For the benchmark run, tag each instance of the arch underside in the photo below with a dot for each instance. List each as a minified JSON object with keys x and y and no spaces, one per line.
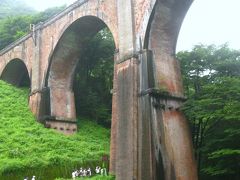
{"x":171,"y":149}
{"x":161,"y":38}
{"x":62,"y":68}
{"x":16,"y":73}
{"x":68,"y":50}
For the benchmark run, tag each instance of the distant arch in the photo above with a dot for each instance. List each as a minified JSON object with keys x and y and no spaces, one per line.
{"x":16,"y":73}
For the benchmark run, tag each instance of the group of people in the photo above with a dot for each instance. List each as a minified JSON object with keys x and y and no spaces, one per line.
{"x":81,"y":173}
{"x":88,"y":172}
{"x":33,"y":178}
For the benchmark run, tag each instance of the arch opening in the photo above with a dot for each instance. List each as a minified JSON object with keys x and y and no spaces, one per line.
{"x":76,"y":74}
{"x":16,"y":73}
{"x":92,"y":84}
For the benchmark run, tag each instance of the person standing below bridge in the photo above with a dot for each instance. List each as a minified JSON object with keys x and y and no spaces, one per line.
{"x":74,"y":174}
{"x":89,"y":173}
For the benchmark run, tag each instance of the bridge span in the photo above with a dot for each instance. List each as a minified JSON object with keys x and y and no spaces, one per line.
{"x":150,"y":139}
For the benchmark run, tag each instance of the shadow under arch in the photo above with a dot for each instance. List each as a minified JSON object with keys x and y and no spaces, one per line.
{"x":170,"y":156}
{"x":16,"y":73}
{"x":82,"y":28}
{"x":60,"y":101}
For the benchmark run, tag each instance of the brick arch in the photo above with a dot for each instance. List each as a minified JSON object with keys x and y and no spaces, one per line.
{"x":97,"y":24}
{"x":104,"y":15}
{"x":63,"y":62}
{"x":53,"y":29}
{"x":144,"y":21}
{"x":107,"y":21}
{"x":16,"y":73}
{"x":168,"y":125}
{"x":161,"y":38}
{"x":15,"y":54}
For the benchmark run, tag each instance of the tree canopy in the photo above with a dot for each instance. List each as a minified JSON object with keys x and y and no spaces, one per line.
{"x":12,"y":26}
{"x":211,"y":77}
{"x":94,"y":78}
{"x":13,"y":8}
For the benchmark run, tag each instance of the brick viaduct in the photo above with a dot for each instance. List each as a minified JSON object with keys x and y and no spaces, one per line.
{"x":149,"y":135}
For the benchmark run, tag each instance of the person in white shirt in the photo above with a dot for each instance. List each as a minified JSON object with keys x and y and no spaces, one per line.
{"x":89,"y":173}
{"x":74,"y":174}
{"x":97,"y":170}
{"x":84,"y":172}
{"x":81,"y":172}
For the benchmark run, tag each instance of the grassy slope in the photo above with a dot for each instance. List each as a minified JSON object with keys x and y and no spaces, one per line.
{"x":24,"y":143}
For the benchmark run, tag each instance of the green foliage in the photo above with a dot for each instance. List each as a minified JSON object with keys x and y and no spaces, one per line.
{"x":46,"y":14}
{"x":103,"y":178}
{"x":13,"y":8}
{"x":26,"y":144}
{"x":212,"y":82}
{"x":12,"y":28}
{"x":93,"y":78}
{"x":93,"y":178}
{"x":17,"y":25}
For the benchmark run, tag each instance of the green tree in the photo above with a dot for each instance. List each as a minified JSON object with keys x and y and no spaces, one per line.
{"x":46,"y":14}
{"x":212,"y":80}
{"x":14,"y":8}
{"x":14,"y":27}
{"x":93,"y":78}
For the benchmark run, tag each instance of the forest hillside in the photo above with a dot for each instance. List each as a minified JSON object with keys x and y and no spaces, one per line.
{"x":13,"y":8}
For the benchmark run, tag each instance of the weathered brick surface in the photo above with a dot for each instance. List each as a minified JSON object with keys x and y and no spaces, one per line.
{"x":51,"y":52}
{"x":23,"y":51}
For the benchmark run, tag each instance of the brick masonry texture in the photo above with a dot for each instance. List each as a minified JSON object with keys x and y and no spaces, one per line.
{"x":148,"y":130}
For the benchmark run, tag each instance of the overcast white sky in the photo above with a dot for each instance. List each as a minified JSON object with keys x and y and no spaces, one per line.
{"x":211,"y":22}
{"x":44,"y":4}
{"x":207,"y":22}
